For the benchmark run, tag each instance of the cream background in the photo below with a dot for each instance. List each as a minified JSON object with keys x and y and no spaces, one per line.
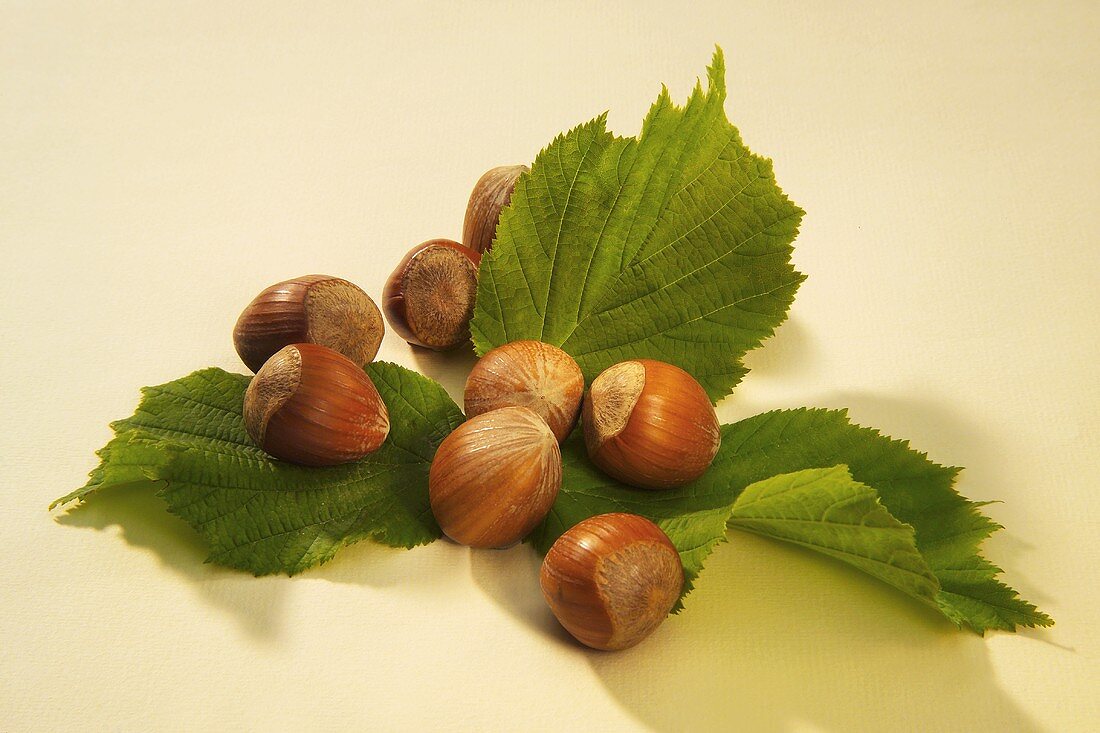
{"x":160,"y":163}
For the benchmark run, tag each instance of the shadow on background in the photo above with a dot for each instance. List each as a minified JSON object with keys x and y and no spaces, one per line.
{"x":785,"y":638}
{"x":951,"y":437}
{"x":432,"y":570}
{"x":787,"y":354}
{"x":255,"y":603}
{"x":776,"y":637}
{"x":511,"y":578}
{"x":375,"y":565}
{"x":449,"y":368}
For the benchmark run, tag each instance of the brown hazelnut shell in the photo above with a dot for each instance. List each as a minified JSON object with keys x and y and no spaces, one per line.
{"x":318,"y":309}
{"x":612,"y":579}
{"x":650,"y":424}
{"x":429,"y":298}
{"x":491,"y":194}
{"x":495,"y":477}
{"x":312,"y":406}
{"x":530,"y":374}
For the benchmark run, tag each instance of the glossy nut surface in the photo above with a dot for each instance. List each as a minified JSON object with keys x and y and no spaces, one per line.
{"x":530,"y":374}
{"x":491,"y":194}
{"x":650,"y":424}
{"x":429,"y":298}
{"x":318,"y":309}
{"x":312,"y":406}
{"x":495,"y":478}
{"x":612,"y":579}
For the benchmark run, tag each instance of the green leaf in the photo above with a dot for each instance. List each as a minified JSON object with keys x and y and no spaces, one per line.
{"x":263,"y":515}
{"x":825,"y":509}
{"x":949,"y":528}
{"x":693,"y":516}
{"x":915,"y":491}
{"x":674,"y":245}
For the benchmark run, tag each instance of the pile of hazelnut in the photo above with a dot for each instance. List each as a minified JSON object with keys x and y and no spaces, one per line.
{"x":611,"y":579}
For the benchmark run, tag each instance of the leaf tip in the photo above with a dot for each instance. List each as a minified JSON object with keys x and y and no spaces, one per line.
{"x":716,"y":72}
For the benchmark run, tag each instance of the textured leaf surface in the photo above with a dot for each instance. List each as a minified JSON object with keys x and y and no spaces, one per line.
{"x":949,"y":528}
{"x":914,"y":490}
{"x":826,"y":510}
{"x":693,"y":516}
{"x":674,"y":245}
{"x":263,"y":515}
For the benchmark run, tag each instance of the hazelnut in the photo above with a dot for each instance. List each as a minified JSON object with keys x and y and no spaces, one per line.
{"x":612,"y":579}
{"x":491,"y":194}
{"x":495,"y":478}
{"x":650,"y":424}
{"x":310,"y":405}
{"x":530,"y":374}
{"x":429,"y":298}
{"x":315,"y":309}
